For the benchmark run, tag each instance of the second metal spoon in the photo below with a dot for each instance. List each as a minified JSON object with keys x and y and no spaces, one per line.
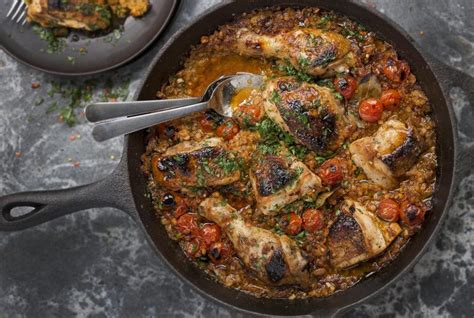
{"x":100,"y":111}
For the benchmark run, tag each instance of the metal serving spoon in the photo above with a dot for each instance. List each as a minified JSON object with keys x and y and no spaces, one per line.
{"x":101,"y":111}
{"x":220,"y":95}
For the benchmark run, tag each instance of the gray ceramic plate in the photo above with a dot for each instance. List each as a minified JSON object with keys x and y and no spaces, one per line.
{"x":81,"y":54}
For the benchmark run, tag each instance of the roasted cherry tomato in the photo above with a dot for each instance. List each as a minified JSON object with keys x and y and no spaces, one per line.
{"x":411,"y":214}
{"x":181,"y":209}
{"x":194,"y":247}
{"x":388,"y":210}
{"x":228,"y":130}
{"x":370,"y":110}
{"x":218,"y":252}
{"x":211,"y":233}
{"x":291,"y":223}
{"x":390,"y":99}
{"x":210,"y":121}
{"x":331,"y":172}
{"x":395,"y":70}
{"x":187,"y":223}
{"x":207,"y":125}
{"x":251,"y":113}
{"x":346,"y":86}
{"x":313,"y":220}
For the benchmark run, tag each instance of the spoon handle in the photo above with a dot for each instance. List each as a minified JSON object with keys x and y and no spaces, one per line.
{"x":102,"y":111}
{"x":121,"y":126}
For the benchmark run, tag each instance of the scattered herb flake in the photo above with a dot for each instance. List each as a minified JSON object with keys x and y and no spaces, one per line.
{"x":71,"y":59}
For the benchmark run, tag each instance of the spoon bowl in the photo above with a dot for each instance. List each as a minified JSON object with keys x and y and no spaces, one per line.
{"x":221,"y":93}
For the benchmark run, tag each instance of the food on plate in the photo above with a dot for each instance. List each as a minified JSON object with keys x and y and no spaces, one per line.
{"x":89,"y":15}
{"x":322,"y":175}
{"x":136,"y":8}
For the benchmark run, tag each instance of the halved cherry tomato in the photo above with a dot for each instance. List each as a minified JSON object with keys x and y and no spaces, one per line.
{"x":411,"y":214}
{"x":291,"y":223}
{"x":194,"y":247}
{"x":313,"y":220}
{"x":211,"y":233}
{"x":228,"y":130}
{"x":390,"y":99}
{"x":346,"y":86}
{"x":187,"y":223}
{"x":331,"y":172}
{"x":395,"y":70}
{"x":218,"y":252}
{"x":370,"y":110}
{"x":251,"y":113}
{"x":388,"y":210}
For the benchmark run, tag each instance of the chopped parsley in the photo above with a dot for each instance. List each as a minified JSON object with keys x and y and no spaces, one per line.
{"x":69,"y":97}
{"x":320,"y":159}
{"x":289,"y":70}
{"x":357,"y":172}
{"x":323,"y":21}
{"x":227,"y":164}
{"x":277,"y":229}
{"x":303,"y":62}
{"x":339,"y":96}
{"x":71,"y":59}
{"x":54,"y":44}
{"x":272,"y":136}
{"x":275,"y":98}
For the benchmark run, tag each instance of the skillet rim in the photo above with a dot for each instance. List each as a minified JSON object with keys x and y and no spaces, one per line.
{"x":452,"y":152}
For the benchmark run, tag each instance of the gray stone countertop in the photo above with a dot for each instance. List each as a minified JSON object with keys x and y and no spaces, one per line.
{"x":97,"y":263}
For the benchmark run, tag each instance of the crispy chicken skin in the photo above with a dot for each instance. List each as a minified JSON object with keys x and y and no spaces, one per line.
{"x":90,"y":15}
{"x":195,"y":164}
{"x":277,"y":183}
{"x":358,"y":235}
{"x":388,"y":154}
{"x":310,"y":113}
{"x":314,"y":51}
{"x":274,"y":259}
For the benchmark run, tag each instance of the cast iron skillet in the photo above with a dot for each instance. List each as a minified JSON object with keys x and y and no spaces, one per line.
{"x":104,"y":52}
{"x":125,"y":188}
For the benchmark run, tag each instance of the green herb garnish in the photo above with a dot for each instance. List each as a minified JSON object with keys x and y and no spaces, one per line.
{"x":289,"y":70}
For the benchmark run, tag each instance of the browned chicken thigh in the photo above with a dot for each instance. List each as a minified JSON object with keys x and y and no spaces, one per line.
{"x":357,"y":235}
{"x":195,"y":164}
{"x":313,"y":51}
{"x":89,"y":15}
{"x":388,"y":154}
{"x":274,"y":259}
{"x":277,"y":183}
{"x":310,"y":113}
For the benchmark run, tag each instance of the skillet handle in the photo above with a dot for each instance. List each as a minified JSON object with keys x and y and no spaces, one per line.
{"x":44,"y":206}
{"x":451,"y":78}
